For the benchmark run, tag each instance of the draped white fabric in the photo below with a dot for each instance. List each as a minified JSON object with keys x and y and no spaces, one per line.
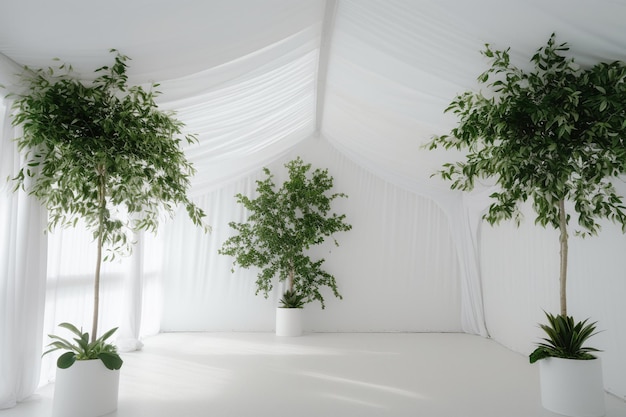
{"x":22,"y":278}
{"x":130,"y":294}
{"x":248,"y":111}
{"x":245,"y":77}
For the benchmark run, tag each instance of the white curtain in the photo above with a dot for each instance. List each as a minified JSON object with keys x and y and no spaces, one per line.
{"x":22,"y":277}
{"x":382,"y":126}
{"x":129,"y":292}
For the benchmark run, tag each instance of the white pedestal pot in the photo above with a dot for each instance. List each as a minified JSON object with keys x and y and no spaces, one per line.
{"x":572,"y":387}
{"x":288,"y":321}
{"x":85,"y":389}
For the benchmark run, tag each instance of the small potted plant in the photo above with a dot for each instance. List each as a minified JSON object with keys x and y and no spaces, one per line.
{"x":556,"y":136}
{"x":100,"y":152}
{"x":581,"y":386}
{"x":89,"y":389}
{"x":282,"y":225}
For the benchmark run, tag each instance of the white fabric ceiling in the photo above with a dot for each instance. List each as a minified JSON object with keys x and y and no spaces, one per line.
{"x":253,"y":77}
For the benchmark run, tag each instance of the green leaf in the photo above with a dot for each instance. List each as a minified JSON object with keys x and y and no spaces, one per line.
{"x":538,"y":354}
{"x":111,"y":360}
{"x":66,"y":360}
{"x":106,"y":335}
{"x":71,"y":328}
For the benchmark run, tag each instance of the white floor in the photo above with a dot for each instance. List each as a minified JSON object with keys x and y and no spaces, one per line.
{"x":322,"y":374}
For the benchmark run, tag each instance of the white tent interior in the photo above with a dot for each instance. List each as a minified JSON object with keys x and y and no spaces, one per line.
{"x":355,"y":86}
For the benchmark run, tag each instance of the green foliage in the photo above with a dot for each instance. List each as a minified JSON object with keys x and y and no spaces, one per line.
{"x":292,"y":299}
{"x":556,"y":133}
{"x":282,"y":225}
{"x":551,"y":135}
{"x":82,"y":349}
{"x":101,"y":152}
{"x":565,"y":339}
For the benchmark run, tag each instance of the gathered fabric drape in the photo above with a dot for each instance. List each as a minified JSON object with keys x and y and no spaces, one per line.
{"x":22,"y":277}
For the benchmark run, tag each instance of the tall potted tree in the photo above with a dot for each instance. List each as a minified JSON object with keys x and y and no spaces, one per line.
{"x":100,"y":152}
{"x":555,"y":135}
{"x":282,"y":225}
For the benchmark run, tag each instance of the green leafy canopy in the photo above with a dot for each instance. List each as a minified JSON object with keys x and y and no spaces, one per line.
{"x":100,"y":152}
{"x":101,"y":149}
{"x":551,"y":135}
{"x":556,"y":133}
{"x":283,"y":223}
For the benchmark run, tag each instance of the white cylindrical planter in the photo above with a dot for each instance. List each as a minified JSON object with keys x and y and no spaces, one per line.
{"x":85,"y":389}
{"x":572,"y":387}
{"x":288,"y":321}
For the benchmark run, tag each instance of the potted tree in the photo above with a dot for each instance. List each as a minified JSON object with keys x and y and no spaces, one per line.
{"x":101,"y":153}
{"x":555,"y":135}
{"x":282,"y":225}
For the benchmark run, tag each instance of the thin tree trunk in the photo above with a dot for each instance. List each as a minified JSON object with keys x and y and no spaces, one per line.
{"x":564,"y":250}
{"x":96,"y":288}
{"x":290,"y":279}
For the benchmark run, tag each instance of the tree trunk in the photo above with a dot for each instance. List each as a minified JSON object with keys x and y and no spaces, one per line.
{"x":290,"y":279}
{"x":564,"y":249}
{"x":96,"y":288}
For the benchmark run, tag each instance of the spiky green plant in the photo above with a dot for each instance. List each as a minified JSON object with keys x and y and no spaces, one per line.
{"x":83,"y":349}
{"x":292,"y":299}
{"x":565,"y":339}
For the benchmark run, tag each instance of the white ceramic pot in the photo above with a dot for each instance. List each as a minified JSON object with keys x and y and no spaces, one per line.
{"x":288,"y":321}
{"x":85,"y":389}
{"x":572,"y":387}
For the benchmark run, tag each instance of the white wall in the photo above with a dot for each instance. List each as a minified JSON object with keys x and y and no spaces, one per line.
{"x":520,"y":272}
{"x":396,"y":269}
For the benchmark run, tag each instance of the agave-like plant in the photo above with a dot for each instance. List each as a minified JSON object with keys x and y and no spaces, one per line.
{"x":565,"y":339}
{"x":84,"y":350}
{"x":292,"y":299}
